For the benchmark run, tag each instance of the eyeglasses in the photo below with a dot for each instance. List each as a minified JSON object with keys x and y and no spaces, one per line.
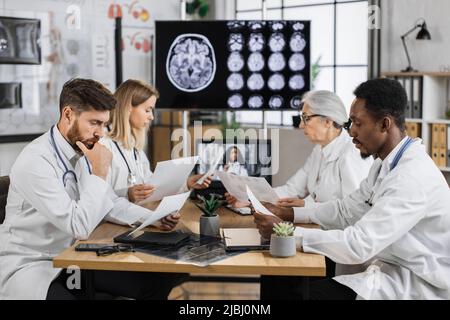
{"x":107,"y":250}
{"x":306,"y":118}
{"x":347,"y":126}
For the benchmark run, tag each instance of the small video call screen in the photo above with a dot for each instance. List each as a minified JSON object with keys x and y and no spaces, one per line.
{"x":241,"y":157}
{"x":232,"y":65}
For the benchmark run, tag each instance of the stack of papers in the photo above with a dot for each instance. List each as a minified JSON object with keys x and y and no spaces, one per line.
{"x":256,"y":204}
{"x":236,"y":186}
{"x":169,"y":177}
{"x":168,"y":205}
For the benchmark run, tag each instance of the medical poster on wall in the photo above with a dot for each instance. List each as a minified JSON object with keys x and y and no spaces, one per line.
{"x":234,"y":65}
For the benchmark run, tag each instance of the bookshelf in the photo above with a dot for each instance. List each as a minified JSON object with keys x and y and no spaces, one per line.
{"x":431,"y":123}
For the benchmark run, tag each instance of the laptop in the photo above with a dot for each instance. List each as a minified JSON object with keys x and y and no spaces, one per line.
{"x":155,"y":238}
{"x":243,"y":239}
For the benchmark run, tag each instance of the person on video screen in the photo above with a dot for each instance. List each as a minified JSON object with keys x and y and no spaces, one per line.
{"x":234,"y":162}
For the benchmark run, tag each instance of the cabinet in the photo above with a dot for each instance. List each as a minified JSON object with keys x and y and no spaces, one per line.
{"x":428,"y":91}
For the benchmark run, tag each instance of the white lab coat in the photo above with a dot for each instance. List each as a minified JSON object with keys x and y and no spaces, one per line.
{"x":235,"y":168}
{"x":329,"y":173}
{"x":403,"y":239}
{"x":118,"y":173}
{"x":44,"y":217}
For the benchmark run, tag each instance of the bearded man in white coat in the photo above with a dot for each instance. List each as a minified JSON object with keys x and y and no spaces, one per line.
{"x":49,"y":205}
{"x":396,"y":223}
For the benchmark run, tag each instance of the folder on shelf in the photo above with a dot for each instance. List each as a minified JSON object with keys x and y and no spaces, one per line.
{"x":442,"y":145}
{"x":435,"y":143}
{"x":413,"y":129}
{"x":407,"y":85}
{"x":416,"y":97}
{"x":448,"y":145}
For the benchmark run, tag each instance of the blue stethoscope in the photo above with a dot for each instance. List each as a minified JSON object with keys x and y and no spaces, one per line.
{"x":394,"y":163}
{"x":131,"y":180}
{"x":67,"y":172}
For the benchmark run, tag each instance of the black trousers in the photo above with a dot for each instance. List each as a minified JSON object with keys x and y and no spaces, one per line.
{"x":134,"y":285}
{"x":290,"y":287}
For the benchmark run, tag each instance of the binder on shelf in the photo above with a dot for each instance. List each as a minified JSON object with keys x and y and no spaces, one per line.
{"x":448,"y":145}
{"x":442,"y":145}
{"x":435,"y":143}
{"x":416,"y":88}
{"x":407,"y":85}
{"x":413,"y":129}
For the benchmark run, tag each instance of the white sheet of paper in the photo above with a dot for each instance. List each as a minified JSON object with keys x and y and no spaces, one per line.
{"x":256,"y":204}
{"x":169,"y":177}
{"x":168,"y":205}
{"x":235,"y":186}
{"x":212,"y":167}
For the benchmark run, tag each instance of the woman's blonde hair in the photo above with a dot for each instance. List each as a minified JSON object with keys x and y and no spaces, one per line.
{"x":129,"y":94}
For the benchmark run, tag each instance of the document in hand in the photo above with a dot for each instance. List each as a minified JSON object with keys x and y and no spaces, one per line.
{"x":235,"y":186}
{"x":169,"y":177}
{"x":212,"y":166}
{"x":168,"y":205}
{"x":256,"y":204}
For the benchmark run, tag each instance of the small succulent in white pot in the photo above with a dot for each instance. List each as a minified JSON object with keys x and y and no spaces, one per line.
{"x":209,"y":221}
{"x":282,"y":240}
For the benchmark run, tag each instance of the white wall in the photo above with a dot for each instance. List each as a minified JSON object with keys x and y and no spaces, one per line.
{"x":136,"y":64}
{"x":398,"y":17}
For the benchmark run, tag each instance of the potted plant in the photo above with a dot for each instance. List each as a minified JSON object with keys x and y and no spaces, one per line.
{"x":209,"y":220}
{"x":282,"y":241}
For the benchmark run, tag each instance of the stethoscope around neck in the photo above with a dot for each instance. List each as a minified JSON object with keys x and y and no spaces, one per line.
{"x":67,"y":171}
{"x":131,"y":180}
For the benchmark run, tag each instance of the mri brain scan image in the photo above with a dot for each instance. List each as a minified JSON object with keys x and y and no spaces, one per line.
{"x":235,"y":101}
{"x":296,"y":82}
{"x":295,"y":102}
{"x":235,"y":25}
{"x":191,"y":62}
{"x":235,"y":42}
{"x":276,"y":62}
{"x":256,"y":25}
{"x":277,"y":42}
{"x":256,"y":42}
{"x":298,"y":26}
{"x":235,"y":82}
{"x":276,"y":82}
{"x":255,"y":62}
{"x":277,"y":25}
{"x":297,"y":42}
{"x":297,"y":62}
{"x":255,"y":101}
{"x":255,"y":82}
{"x":276,"y":102}
{"x":235,"y":62}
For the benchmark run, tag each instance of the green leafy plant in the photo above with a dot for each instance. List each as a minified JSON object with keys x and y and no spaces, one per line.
{"x":210,"y":205}
{"x":283,"y":229}
{"x":226,"y":123}
{"x":447,"y":114}
{"x":201,"y":7}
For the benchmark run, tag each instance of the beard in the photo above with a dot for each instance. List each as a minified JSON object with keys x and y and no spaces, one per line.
{"x":364,"y":155}
{"x":74,"y":135}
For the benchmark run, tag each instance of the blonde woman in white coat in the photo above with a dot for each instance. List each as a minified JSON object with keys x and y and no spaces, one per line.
{"x":129,"y":123}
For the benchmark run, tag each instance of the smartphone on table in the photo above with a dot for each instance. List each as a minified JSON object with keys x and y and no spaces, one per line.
{"x":92,"y":246}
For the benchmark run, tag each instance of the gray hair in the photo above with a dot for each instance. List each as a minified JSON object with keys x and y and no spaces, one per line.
{"x":327,"y":104}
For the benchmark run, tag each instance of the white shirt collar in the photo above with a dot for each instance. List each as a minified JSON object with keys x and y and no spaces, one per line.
{"x":386,"y":164}
{"x":67,"y":151}
{"x":332,"y":150}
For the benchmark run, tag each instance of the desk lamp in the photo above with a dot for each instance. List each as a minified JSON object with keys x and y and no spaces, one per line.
{"x":423,"y":34}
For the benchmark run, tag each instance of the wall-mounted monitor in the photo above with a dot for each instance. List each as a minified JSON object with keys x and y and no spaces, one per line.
{"x":20,"y":41}
{"x":232,"y":65}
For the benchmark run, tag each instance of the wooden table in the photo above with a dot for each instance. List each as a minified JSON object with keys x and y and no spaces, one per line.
{"x":248,"y":263}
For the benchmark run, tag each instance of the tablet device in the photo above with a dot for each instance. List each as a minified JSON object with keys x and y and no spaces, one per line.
{"x":156,"y":238}
{"x":243,"y":239}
